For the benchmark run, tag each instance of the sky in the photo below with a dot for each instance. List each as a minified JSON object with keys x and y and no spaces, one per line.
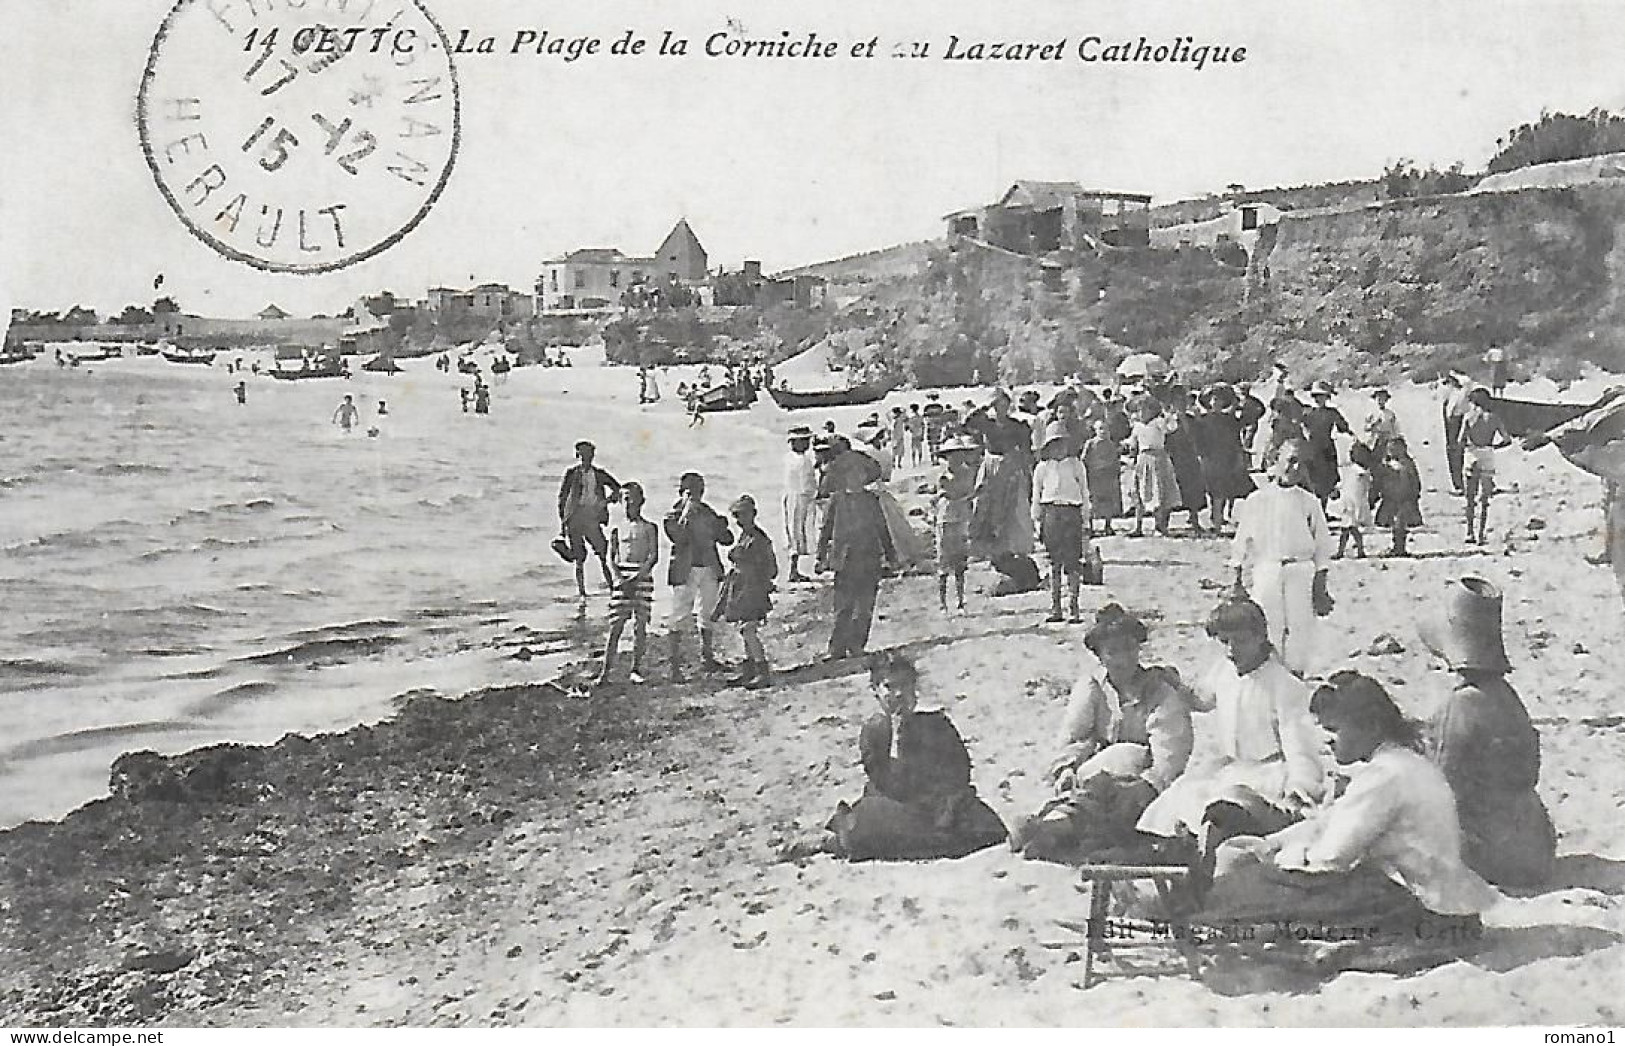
{"x":788,"y":161}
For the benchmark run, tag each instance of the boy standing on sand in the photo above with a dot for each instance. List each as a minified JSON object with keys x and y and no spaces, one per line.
{"x":695,"y":572}
{"x":956,"y":493}
{"x":632,"y":594}
{"x":916,"y":435}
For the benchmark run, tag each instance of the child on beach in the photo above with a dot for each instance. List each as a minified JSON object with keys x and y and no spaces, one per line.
{"x":1061,"y":515}
{"x":746,"y":596}
{"x":1102,"y":463}
{"x":633,"y":549}
{"x":1400,"y":507}
{"x":956,"y":490}
{"x":1353,"y":504}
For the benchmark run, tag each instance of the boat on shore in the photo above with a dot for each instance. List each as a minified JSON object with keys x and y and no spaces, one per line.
{"x":333,"y":366}
{"x":15,"y":356}
{"x":1530,"y":417}
{"x":855,"y":395}
{"x":738,"y":396}
{"x":93,"y":351}
{"x":205,"y":357}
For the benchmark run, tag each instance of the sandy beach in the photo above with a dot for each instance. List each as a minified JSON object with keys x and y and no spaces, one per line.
{"x":510,"y":855}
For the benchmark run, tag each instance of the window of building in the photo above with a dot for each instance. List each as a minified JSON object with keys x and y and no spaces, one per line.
{"x":614,"y":277}
{"x":1249,"y":218}
{"x":555,"y":281}
{"x":581,"y":278}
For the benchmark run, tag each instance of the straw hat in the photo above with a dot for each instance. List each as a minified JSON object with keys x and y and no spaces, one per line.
{"x":1468,"y":633}
{"x":1321,"y":390}
{"x":1382,"y":395}
{"x":1056,"y":431}
{"x":958,"y":445}
{"x":799,"y":432}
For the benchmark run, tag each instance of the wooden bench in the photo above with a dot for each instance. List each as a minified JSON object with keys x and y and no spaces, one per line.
{"x":1097,"y":880}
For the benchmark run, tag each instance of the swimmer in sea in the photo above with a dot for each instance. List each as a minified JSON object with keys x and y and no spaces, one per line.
{"x":242,"y":392}
{"x":346,"y":414}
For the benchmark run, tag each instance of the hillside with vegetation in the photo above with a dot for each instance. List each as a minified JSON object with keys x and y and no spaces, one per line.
{"x":1403,"y":275}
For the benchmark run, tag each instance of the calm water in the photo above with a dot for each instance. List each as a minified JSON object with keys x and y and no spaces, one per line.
{"x":176,"y":569}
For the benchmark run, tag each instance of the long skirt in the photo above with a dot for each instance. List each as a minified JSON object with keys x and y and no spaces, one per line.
{"x":1001,"y":517}
{"x":1155,"y":486}
{"x":1105,"y":491}
{"x":879,"y":828}
{"x":1255,"y":787}
{"x":1358,"y":919}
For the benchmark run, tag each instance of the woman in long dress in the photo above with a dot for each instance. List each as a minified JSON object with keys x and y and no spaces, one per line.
{"x":1384,"y":858}
{"x":1102,"y":467}
{"x":1156,"y":489}
{"x":918,"y":802}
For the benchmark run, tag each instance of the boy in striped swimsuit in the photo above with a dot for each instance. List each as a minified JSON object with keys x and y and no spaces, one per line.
{"x":633,"y":549}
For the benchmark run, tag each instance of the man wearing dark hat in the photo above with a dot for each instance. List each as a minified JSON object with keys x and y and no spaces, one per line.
{"x":800,"y":500}
{"x":1482,"y":739}
{"x":855,"y":543}
{"x":584,"y":496}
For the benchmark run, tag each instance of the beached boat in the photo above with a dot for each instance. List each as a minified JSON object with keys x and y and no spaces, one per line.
{"x":93,"y":351}
{"x":1528,"y":417}
{"x":856,"y":395}
{"x":15,"y":356}
{"x":727,"y":397}
{"x":197,"y":356}
{"x":383,"y":363}
{"x":144,"y":348}
{"x":326,"y":367}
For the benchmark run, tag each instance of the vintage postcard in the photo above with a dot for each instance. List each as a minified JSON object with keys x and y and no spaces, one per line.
{"x":533,"y":513}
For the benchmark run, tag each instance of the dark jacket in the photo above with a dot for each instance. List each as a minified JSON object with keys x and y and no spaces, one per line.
{"x":694,"y":541}
{"x":570,"y":488}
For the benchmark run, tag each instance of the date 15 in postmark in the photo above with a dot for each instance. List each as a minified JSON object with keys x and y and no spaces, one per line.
{"x":300,"y":139}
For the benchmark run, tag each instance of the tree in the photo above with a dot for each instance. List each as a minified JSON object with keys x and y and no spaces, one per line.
{"x":79,"y":316}
{"x":165,"y":306}
{"x":133,"y":316}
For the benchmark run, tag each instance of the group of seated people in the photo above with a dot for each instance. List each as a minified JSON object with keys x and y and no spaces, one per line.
{"x":1390,"y":824}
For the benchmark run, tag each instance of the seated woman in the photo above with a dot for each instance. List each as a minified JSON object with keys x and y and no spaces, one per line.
{"x":1382,"y":862}
{"x":1267,"y":769}
{"x":918,"y":802}
{"x":1126,"y":735}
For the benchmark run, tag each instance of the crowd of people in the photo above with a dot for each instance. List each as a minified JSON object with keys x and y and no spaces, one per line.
{"x":1393,"y":823}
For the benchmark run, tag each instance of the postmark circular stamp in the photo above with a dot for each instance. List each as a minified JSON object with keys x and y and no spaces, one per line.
{"x":300,"y":135}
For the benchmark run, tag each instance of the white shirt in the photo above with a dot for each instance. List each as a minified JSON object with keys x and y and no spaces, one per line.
{"x":1060,"y":482}
{"x":800,"y":475}
{"x":1277,"y":524}
{"x":1397,"y":815}
{"x":1263,"y":716}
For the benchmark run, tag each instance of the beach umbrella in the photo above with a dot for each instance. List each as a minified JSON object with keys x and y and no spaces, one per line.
{"x":1142,"y":365}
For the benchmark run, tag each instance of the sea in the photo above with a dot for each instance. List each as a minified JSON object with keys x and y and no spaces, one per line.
{"x":178,"y":569}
